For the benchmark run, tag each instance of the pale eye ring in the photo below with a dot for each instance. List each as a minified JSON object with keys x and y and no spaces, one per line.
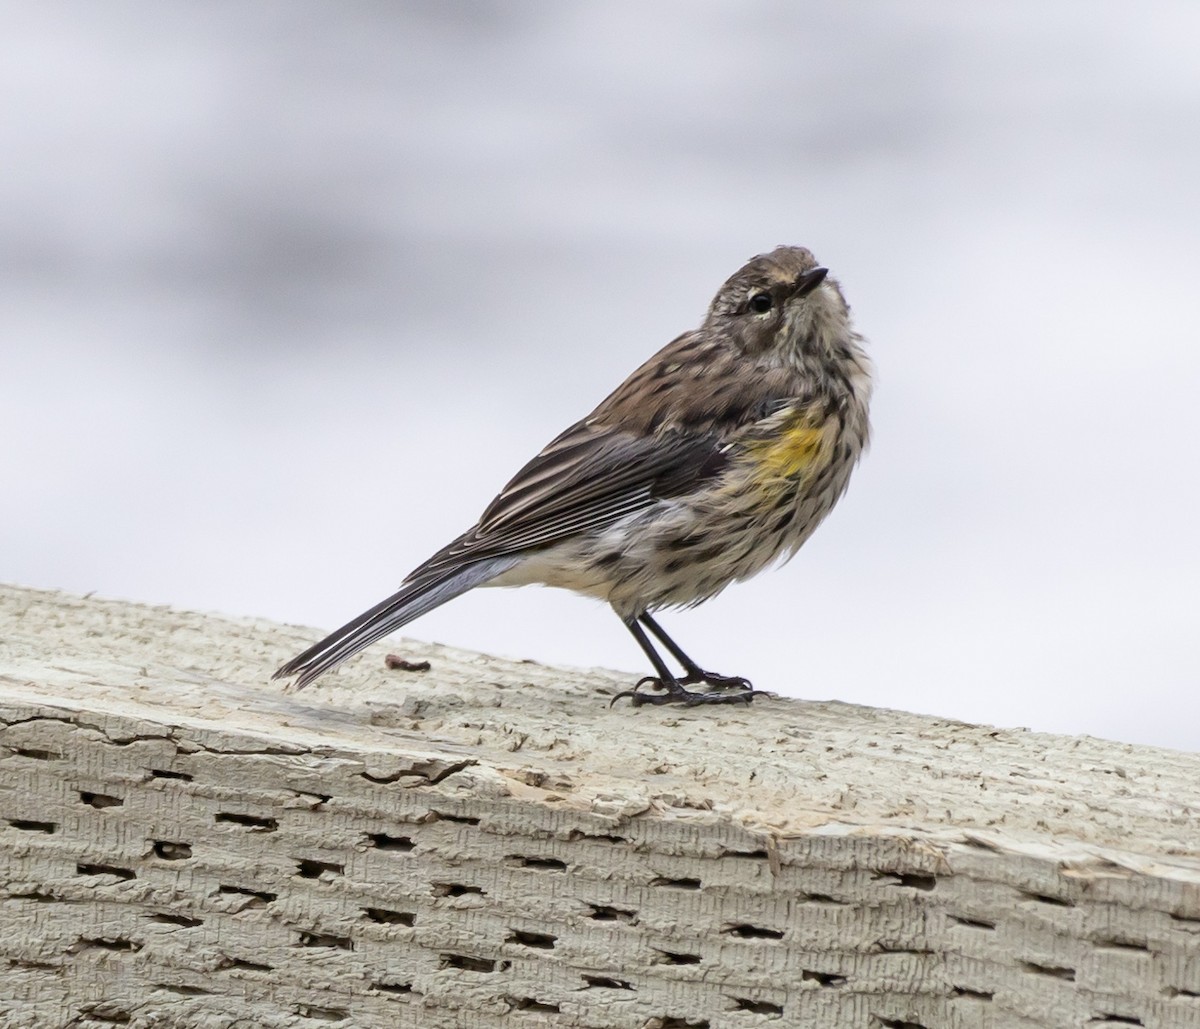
{"x":761,"y":303}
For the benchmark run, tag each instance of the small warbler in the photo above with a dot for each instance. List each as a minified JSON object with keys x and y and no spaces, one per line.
{"x":718,"y":456}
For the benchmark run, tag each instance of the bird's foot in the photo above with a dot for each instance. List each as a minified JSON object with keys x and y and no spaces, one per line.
{"x":671,"y":691}
{"x":717,"y":682}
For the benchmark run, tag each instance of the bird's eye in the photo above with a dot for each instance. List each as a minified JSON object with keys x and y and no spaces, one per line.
{"x":761,"y":302}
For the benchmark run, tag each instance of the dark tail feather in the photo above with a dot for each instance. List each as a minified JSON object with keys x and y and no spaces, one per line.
{"x":413,"y":600}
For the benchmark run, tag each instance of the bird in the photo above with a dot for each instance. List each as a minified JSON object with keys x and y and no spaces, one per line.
{"x":716,"y":458}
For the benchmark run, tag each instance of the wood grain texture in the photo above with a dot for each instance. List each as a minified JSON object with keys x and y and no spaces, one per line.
{"x":182,"y":843}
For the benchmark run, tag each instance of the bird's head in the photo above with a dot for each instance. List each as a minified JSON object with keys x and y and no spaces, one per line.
{"x":781,"y":302}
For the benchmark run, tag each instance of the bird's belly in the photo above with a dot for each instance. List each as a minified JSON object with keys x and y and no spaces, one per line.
{"x":569,"y":565}
{"x":683,"y":552}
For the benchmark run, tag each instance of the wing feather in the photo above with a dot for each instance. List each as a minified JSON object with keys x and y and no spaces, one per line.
{"x":585,"y":480}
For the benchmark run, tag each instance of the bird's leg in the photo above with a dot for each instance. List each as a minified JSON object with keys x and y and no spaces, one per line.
{"x":673,"y":692}
{"x":695,"y":674}
{"x":671,"y":687}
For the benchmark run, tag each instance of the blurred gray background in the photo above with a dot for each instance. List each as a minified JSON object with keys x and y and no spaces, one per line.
{"x":289,"y":290}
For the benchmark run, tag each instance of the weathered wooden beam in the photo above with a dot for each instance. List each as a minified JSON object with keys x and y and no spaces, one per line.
{"x":486,"y":843}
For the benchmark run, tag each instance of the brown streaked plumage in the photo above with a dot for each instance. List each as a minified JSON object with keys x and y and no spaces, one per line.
{"x":719,"y":455}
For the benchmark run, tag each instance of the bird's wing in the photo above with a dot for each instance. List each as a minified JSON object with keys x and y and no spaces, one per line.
{"x":665,"y":430}
{"x":585,"y":479}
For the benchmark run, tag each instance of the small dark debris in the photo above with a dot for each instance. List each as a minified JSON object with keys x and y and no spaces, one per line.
{"x":401,"y":664}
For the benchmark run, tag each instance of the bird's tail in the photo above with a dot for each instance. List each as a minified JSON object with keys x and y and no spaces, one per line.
{"x":420,"y":594}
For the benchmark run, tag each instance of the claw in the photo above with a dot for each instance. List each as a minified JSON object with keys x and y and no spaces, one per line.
{"x":672,"y":691}
{"x":638,"y":697}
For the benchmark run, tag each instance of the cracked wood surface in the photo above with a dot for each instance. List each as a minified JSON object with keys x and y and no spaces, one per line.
{"x":183,"y":843}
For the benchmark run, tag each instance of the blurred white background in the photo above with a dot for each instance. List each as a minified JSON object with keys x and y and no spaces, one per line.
{"x":290,"y":289}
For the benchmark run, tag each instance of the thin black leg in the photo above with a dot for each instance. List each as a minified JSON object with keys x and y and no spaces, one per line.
{"x":669,"y":689}
{"x":660,"y":666}
{"x":695,"y":674}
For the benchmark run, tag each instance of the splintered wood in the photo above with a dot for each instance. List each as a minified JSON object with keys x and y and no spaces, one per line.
{"x":485,"y":843}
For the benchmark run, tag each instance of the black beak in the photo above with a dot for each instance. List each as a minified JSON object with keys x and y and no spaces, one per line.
{"x":809,"y":281}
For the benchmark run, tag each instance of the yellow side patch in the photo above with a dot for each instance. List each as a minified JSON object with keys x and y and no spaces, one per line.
{"x":790,"y":454}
